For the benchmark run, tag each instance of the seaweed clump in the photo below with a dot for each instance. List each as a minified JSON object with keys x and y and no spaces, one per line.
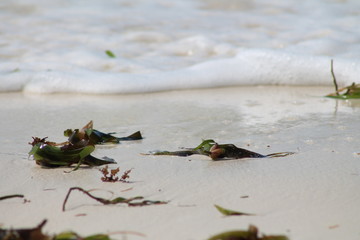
{"x":349,"y":92}
{"x":219,"y":151}
{"x":251,"y":234}
{"x":77,"y":149}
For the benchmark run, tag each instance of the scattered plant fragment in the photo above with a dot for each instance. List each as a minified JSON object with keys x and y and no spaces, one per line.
{"x":349,"y":92}
{"x":220,"y":151}
{"x":228,"y":212}
{"x":110,"y":54}
{"x":11,"y":196}
{"x":36,"y":234}
{"x":250,"y":234}
{"x":132,"y":202}
{"x":111,"y":176}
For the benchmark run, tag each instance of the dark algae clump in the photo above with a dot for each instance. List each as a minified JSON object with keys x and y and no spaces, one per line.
{"x":251,"y":234}
{"x":220,"y":151}
{"x":37,"y":234}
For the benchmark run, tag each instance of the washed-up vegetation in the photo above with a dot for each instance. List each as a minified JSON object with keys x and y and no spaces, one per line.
{"x":219,"y":151}
{"x":37,"y":234}
{"x":137,"y":201}
{"x":111,"y":176}
{"x":228,"y":212}
{"x":110,"y":54}
{"x":77,"y":149}
{"x":11,"y":196}
{"x":251,"y":234}
{"x":94,"y":136}
{"x":349,"y":92}
{"x":48,"y":154}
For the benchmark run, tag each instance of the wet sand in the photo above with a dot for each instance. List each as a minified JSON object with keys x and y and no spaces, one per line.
{"x":311,"y":195}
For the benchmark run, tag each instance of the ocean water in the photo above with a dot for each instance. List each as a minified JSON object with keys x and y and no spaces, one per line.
{"x":60,"y":45}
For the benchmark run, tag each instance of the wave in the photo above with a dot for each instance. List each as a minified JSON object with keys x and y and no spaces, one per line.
{"x":248,"y":67}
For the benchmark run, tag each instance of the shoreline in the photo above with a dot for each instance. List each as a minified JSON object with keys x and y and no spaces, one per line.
{"x":312,"y":194}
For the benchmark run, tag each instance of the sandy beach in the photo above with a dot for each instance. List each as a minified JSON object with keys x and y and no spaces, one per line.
{"x":313,"y":194}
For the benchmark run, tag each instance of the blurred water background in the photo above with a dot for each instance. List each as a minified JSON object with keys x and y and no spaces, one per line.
{"x":135,"y":46}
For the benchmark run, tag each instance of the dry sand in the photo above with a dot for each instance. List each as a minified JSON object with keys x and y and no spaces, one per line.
{"x":311,"y":195}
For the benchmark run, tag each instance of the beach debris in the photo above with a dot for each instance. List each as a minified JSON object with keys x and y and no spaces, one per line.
{"x":11,"y":196}
{"x":77,"y":149}
{"x":250,"y":234}
{"x":48,"y":154}
{"x":37,"y":234}
{"x":25,"y":233}
{"x":111,"y":176}
{"x":219,"y":151}
{"x":110,"y":54}
{"x":96,"y":137}
{"x":131,"y":202}
{"x":349,"y":92}
{"x":74,"y":236}
{"x":228,"y":212}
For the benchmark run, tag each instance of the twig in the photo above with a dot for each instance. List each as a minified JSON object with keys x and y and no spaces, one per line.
{"x":11,"y":196}
{"x":334,"y":78}
{"x":128,"y":201}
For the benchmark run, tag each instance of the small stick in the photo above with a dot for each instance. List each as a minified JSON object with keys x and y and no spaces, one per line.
{"x":103,"y":201}
{"x":334,"y":78}
{"x":128,"y":201}
{"x":11,"y":196}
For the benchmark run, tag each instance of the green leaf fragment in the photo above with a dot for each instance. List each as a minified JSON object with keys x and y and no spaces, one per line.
{"x":228,"y":212}
{"x":110,"y":54}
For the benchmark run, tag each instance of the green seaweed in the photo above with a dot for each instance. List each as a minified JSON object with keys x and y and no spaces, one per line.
{"x":110,"y":54}
{"x":48,"y":154}
{"x":97,"y":137}
{"x":228,"y":212}
{"x":219,"y":151}
{"x":349,"y":92}
{"x":74,"y":236}
{"x":250,"y":234}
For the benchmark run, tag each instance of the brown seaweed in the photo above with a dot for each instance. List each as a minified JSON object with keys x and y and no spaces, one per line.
{"x":111,"y":176}
{"x":220,"y":151}
{"x":251,"y":234}
{"x":97,"y":137}
{"x":132,"y":202}
{"x":24,"y":233}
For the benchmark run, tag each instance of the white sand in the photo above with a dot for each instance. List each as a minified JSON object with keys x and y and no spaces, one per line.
{"x":311,"y":195}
